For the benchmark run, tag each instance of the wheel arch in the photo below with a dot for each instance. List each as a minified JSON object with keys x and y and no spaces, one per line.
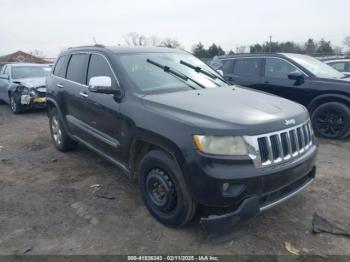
{"x":142,"y":144}
{"x":50,"y":104}
{"x":317,"y":101}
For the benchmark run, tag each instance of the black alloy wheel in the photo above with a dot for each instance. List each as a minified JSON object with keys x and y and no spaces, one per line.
{"x":332,"y":120}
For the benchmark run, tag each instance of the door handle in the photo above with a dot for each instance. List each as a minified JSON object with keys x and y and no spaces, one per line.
{"x":230,"y":78}
{"x":266,"y":82}
{"x":59,"y":85}
{"x":83,"y":94}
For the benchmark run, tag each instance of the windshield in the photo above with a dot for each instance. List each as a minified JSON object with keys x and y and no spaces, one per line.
{"x":315,"y":66}
{"x":18,"y":72}
{"x":143,"y":72}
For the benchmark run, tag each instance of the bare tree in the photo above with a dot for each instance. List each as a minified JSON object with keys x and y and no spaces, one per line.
{"x":37,"y":53}
{"x":170,"y":42}
{"x":154,"y":41}
{"x":135,"y":39}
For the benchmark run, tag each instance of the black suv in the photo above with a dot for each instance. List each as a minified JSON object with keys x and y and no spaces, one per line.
{"x":301,"y":78}
{"x":172,"y":123}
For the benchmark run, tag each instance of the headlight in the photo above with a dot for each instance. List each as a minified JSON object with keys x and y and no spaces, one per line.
{"x":33,"y":92}
{"x":221,"y":145}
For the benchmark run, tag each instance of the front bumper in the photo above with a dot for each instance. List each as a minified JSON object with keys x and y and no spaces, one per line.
{"x":29,"y":101}
{"x":206,"y":177}
{"x":220,"y":228}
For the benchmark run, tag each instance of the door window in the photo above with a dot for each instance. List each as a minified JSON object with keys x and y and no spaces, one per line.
{"x":77,"y":68}
{"x":5,"y":70}
{"x":247,"y":66}
{"x":278,"y":68}
{"x":98,"y":66}
{"x":61,"y":67}
{"x":340,"y":66}
{"x":227,"y":66}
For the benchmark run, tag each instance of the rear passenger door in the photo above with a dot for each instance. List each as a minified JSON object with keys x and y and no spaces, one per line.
{"x":75,"y":93}
{"x":244,"y":71}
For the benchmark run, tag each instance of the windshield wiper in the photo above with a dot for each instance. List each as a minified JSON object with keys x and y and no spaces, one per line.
{"x":202,"y":71}
{"x":175,"y":73}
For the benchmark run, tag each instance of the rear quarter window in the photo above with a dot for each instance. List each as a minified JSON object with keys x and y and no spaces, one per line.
{"x":61,"y":66}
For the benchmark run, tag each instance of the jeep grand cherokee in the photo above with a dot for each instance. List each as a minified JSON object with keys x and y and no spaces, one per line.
{"x":189,"y":138}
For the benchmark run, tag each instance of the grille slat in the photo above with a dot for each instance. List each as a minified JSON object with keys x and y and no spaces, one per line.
{"x":264,"y":153}
{"x":275,"y":147}
{"x":284,"y":145}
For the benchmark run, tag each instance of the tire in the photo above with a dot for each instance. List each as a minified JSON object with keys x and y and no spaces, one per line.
{"x":331,"y":120}
{"x":15,"y":104}
{"x":164,"y":190}
{"x":59,"y":135}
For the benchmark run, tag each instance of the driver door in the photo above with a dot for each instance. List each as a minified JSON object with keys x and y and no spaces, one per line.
{"x":276,"y":80}
{"x":102,"y":116}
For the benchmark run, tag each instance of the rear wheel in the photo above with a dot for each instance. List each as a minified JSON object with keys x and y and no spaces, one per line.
{"x":15,"y":104}
{"x":164,"y":190}
{"x":59,"y":136}
{"x":331,"y":120}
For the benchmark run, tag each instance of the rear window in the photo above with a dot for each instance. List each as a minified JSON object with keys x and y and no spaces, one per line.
{"x":77,"y":68}
{"x":61,"y":66}
{"x":248,"y":66}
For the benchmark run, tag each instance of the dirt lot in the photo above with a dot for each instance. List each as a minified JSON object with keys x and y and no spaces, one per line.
{"x":47,"y":204}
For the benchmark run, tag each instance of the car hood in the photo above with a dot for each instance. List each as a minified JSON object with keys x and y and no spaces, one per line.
{"x":233,"y":108}
{"x":32,"y":82}
{"x":342,"y":80}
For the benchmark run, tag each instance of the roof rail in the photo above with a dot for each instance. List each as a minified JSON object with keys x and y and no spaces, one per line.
{"x":95,"y":45}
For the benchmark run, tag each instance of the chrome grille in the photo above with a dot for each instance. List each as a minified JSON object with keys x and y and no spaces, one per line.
{"x":278,"y":147}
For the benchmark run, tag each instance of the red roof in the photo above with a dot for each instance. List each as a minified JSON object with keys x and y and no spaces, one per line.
{"x":22,"y":57}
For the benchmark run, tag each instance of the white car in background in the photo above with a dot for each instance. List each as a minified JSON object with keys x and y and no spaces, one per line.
{"x":342,"y":65}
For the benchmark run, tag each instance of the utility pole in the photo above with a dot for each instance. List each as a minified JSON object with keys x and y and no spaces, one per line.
{"x":270,"y":43}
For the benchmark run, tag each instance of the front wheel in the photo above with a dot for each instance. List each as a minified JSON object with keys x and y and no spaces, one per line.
{"x":59,"y":136}
{"x":15,"y":105}
{"x":331,"y":120}
{"x":164,"y":190}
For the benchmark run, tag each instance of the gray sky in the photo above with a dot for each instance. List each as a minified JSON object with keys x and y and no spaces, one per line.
{"x":53,"y":25}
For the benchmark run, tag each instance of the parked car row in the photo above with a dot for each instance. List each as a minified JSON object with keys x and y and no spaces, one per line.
{"x":324,"y":91}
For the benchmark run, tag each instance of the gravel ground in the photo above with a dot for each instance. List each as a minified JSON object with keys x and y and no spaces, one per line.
{"x":47,"y":204}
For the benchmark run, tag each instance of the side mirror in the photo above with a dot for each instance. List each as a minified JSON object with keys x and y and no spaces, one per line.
{"x":220,"y":72}
{"x":101,"y":84}
{"x":296,"y":75}
{"x":6,"y":77}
